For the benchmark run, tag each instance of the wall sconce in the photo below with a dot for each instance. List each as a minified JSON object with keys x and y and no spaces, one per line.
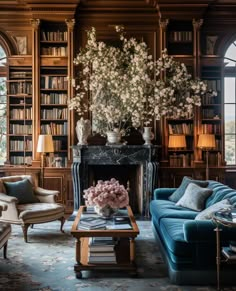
{"x":45,"y":145}
{"x":206,"y":142}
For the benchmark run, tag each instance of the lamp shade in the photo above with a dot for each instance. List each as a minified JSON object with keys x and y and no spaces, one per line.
{"x":45,"y":144}
{"x":177,"y":141}
{"x":206,"y":141}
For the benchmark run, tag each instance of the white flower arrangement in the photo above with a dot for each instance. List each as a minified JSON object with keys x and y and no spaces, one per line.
{"x":127,"y":88}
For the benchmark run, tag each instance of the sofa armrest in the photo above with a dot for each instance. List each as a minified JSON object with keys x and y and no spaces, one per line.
{"x":204,"y":230}
{"x":45,"y":195}
{"x":163,"y":193}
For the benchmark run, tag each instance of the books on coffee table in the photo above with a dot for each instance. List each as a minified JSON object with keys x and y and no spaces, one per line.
{"x":101,"y":250}
{"x":92,"y":222}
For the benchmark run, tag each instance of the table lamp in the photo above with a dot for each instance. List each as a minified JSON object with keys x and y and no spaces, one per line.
{"x":45,"y":145}
{"x":206,"y":142}
{"x":177,"y":141}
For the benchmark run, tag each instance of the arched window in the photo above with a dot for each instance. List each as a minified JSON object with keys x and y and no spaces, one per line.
{"x":3,"y":107}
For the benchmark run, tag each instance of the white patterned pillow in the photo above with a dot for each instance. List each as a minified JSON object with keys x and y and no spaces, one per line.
{"x":207,"y":213}
{"x":194,"y":197}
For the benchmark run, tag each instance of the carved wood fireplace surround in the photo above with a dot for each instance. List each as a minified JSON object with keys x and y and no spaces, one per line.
{"x":133,"y":164}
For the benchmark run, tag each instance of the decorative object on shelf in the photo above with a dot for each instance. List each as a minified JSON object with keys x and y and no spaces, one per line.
{"x":45,"y":145}
{"x":206,"y":142}
{"x":148,"y":135}
{"x":106,"y":195}
{"x":210,"y":44}
{"x":113,"y":137}
{"x":127,"y":88}
{"x":83,"y":130}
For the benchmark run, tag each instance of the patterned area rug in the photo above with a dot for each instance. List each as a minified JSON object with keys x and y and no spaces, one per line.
{"x":46,"y":263}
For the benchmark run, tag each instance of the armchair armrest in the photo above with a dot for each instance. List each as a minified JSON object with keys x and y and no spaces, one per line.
{"x":45,"y":195}
{"x":10,"y":213}
{"x":163,"y":193}
{"x":7,"y":198}
{"x":203,"y":230}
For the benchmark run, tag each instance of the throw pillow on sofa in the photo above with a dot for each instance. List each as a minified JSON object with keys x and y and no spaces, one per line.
{"x":207,"y":213}
{"x":179,"y":192}
{"x":194,"y":197}
{"x":22,"y":190}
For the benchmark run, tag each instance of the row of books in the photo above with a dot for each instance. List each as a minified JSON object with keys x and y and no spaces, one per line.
{"x":209,"y":99}
{"x":183,"y":160}
{"x":181,"y":36}
{"x":210,"y":113}
{"x":54,"y":35}
{"x":54,"y":82}
{"x":54,"y":113}
{"x":54,"y":51}
{"x":183,"y":128}
{"x":54,"y":98}
{"x":211,"y":128}
{"x":20,"y":88}
{"x":214,"y":85}
{"x":20,"y":145}
{"x":101,"y":250}
{"x":18,"y":113}
{"x":20,"y":160}
{"x":20,"y":129}
{"x":23,"y":74}
{"x":54,"y":128}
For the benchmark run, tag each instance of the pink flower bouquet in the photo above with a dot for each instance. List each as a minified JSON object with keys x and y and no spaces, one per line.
{"x":107,"y":193}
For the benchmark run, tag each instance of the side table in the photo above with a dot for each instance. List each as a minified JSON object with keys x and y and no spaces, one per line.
{"x":222,"y":217}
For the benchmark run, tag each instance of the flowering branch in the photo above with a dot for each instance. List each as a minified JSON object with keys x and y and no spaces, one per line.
{"x":127,"y":87}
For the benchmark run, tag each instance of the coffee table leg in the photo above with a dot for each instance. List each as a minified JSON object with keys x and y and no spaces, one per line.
{"x":132,"y":249}
{"x":78,"y":273}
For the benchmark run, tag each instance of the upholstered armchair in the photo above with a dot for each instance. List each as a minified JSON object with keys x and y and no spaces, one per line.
{"x":27,"y":204}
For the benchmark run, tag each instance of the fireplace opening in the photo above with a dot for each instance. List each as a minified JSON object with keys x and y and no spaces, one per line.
{"x":126,"y":175}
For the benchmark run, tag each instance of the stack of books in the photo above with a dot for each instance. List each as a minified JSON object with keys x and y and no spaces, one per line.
{"x":91,"y":222}
{"x":101,"y":250}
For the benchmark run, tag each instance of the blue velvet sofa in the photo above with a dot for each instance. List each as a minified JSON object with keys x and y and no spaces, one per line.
{"x":188,"y":246}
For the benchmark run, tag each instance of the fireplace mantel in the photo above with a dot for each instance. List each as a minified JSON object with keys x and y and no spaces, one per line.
{"x":144,"y":156}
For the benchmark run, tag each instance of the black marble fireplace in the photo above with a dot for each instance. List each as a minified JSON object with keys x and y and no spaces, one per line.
{"x":133,"y":164}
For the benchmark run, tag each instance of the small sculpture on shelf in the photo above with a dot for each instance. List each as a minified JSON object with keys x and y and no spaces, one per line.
{"x":83,"y":130}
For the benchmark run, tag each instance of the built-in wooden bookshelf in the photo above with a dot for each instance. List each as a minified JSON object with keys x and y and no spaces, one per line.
{"x":19,"y":104}
{"x":54,"y":88}
{"x":182,"y":40}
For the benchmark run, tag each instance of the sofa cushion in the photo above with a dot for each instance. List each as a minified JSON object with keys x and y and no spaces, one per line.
{"x":179,"y":192}
{"x":194,"y":197}
{"x":171,"y":230}
{"x":164,"y":208}
{"x":207,"y":213}
{"x":22,"y":190}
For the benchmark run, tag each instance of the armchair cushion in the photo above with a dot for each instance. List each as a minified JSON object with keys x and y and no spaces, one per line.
{"x":22,"y":190}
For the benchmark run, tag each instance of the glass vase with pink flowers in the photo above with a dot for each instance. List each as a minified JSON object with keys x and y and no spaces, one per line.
{"x":107,"y":197}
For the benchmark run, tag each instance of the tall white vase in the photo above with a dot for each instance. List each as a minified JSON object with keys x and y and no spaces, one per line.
{"x":148,"y":135}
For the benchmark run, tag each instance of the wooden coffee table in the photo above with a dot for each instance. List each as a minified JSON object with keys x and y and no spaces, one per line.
{"x":125,"y":250}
